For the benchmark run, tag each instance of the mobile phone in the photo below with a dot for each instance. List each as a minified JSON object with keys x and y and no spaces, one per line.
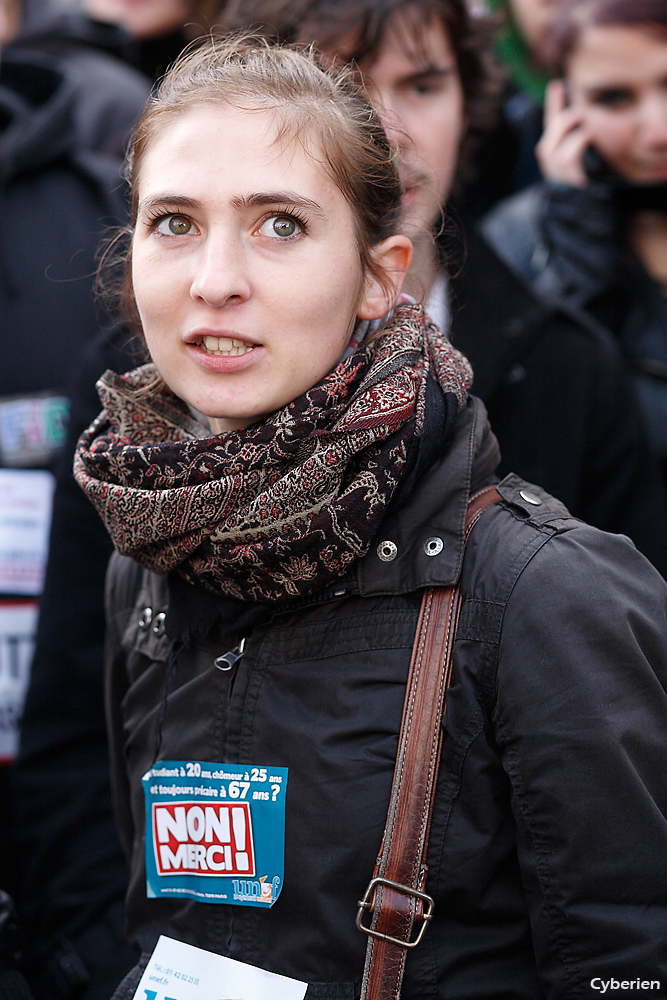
{"x":595,"y":167}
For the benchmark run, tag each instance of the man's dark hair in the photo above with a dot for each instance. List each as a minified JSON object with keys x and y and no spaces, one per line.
{"x":361,"y":26}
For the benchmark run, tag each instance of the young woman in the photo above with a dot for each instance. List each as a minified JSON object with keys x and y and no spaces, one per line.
{"x":290,"y":472}
{"x":595,"y":231}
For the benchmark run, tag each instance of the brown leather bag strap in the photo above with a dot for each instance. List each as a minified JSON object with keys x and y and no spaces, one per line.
{"x":400,"y":909}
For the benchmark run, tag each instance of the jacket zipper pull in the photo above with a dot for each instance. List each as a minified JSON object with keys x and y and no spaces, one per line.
{"x":227,"y":660}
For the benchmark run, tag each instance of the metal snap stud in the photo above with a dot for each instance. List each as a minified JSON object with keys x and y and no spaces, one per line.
{"x":433,"y":546}
{"x":387,"y":551}
{"x":146,"y":618}
{"x":530,"y":498}
{"x":158,"y":624}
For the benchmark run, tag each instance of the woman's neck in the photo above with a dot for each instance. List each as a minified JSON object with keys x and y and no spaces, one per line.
{"x":647,"y":234}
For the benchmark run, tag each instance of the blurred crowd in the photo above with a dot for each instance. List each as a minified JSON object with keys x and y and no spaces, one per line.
{"x":532,"y":142}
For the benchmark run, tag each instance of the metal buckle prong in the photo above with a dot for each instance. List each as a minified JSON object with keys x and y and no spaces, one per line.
{"x":367,"y":904}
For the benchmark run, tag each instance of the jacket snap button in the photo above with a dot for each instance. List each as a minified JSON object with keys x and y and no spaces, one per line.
{"x":146,"y":618}
{"x":433,"y":546}
{"x":517,"y":373}
{"x":387,"y":551}
{"x":158,"y":624}
{"x":530,"y":498}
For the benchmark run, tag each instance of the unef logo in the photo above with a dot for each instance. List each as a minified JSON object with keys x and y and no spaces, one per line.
{"x":250,"y":891}
{"x":208,"y":840}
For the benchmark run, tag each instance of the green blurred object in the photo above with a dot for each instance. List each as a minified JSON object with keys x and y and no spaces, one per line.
{"x":515,"y":55}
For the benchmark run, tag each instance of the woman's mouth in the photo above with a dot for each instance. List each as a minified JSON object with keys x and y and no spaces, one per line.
{"x":226,"y":347}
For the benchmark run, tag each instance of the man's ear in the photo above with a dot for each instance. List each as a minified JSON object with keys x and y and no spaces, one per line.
{"x":392,"y":260}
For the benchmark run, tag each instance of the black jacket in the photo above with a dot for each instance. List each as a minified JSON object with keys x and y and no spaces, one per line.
{"x":549,"y":833}
{"x":572,"y":243}
{"x":558,"y":396}
{"x":56,"y":202}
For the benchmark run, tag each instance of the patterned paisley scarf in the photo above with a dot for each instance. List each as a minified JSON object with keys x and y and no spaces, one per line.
{"x":283,"y":507}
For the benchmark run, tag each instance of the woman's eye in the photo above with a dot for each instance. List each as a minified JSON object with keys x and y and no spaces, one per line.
{"x":174,"y":225}
{"x":612,"y":98}
{"x":282,"y":226}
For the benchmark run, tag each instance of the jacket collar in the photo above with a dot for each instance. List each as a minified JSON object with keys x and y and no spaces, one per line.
{"x":421,"y":545}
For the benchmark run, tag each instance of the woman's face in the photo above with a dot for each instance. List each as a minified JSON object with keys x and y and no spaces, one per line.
{"x":245,"y":269}
{"x":617,"y":77}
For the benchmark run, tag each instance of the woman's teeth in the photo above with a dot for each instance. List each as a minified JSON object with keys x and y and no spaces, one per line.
{"x":225,"y":346}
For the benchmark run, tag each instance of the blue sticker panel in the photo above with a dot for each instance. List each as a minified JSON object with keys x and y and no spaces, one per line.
{"x":215,"y":832}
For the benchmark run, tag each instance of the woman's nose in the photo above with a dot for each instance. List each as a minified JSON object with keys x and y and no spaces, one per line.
{"x":220,"y":272}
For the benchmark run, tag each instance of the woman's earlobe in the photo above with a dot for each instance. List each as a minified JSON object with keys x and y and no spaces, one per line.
{"x":392,"y":259}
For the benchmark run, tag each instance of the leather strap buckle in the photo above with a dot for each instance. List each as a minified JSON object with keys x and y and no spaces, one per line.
{"x":367,"y":904}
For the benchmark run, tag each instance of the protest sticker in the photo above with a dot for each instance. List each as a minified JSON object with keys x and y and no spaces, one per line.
{"x":215,"y":832}
{"x":179,"y":971}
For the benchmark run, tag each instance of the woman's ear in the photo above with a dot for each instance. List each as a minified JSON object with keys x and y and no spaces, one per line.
{"x":392,"y":260}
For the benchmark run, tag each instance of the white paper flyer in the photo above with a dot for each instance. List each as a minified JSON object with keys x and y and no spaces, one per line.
{"x":178,"y":971}
{"x":25,"y":517}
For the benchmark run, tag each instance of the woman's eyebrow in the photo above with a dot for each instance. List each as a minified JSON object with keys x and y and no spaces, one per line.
{"x":263,"y":198}
{"x":257,"y":200}
{"x":173,"y":200}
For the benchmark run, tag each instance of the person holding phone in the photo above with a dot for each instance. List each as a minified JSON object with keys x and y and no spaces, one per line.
{"x":594,"y":232}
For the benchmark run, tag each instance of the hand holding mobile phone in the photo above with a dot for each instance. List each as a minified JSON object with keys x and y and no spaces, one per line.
{"x":560,"y":151}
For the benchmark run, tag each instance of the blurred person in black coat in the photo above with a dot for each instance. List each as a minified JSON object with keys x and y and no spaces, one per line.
{"x":108,"y":95}
{"x":58,"y":198}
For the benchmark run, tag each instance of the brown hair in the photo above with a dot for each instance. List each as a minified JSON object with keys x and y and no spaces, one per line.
{"x":326,"y":23}
{"x":575,"y":16}
{"x":324,"y":110}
